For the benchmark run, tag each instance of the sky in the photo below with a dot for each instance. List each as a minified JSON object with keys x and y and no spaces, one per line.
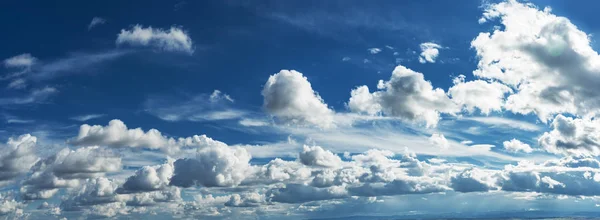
{"x":299,"y":109}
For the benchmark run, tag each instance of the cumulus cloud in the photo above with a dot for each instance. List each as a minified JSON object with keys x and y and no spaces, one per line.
{"x":116,"y":134}
{"x":515,"y":145}
{"x":17,"y":157}
{"x":546,"y":58}
{"x":439,"y":140}
{"x":406,"y":95}
{"x":317,"y":156}
{"x":572,"y":136}
{"x":212,"y":166}
{"x":150,"y":178}
{"x":485,"y":96}
{"x":174,"y":39}
{"x":290,"y":98}
{"x":252,"y":199}
{"x":8,"y":205}
{"x":429,"y":52}
{"x":66,"y":168}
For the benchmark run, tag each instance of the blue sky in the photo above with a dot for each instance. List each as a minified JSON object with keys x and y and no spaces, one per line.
{"x":302,"y":109}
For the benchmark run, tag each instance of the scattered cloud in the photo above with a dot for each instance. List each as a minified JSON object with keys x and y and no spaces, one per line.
{"x":406,"y":95}
{"x":290,"y":98}
{"x":174,"y":39}
{"x":515,"y":145}
{"x":429,"y":52}
{"x":374,"y":50}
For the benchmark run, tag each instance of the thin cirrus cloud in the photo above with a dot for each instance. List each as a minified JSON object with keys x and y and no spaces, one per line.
{"x":20,"y":61}
{"x":35,"y":96}
{"x":173,"y":39}
{"x":95,"y":22}
{"x":216,"y":106}
{"x":83,"y":118}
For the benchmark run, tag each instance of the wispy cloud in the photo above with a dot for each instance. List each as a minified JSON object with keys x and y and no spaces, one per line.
{"x":87,"y":117}
{"x":35,"y":96}
{"x":20,"y":61}
{"x":204,"y":107}
{"x":73,"y":63}
{"x":95,"y":22}
{"x":505,"y":123}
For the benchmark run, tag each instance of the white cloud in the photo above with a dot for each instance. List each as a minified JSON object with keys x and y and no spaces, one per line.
{"x":546,"y":58}
{"x":515,"y":145}
{"x":95,"y":22}
{"x":116,"y":134}
{"x":218,"y":165}
{"x":317,"y":156}
{"x":9,"y":205}
{"x":173,"y":39}
{"x":429,"y":52}
{"x":486,"y":96}
{"x":20,"y":61}
{"x":17,"y":157}
{"x":504,"y":123}
{"x":203,"y":107}
{"x":248,"y":122}
{"x":150,"y":178}
{"x":35,"y":96}
{"x":290,"y":98}
{"x":17,"y":84}
{"x":66,"y":168}
{"x":439,"y":140}
{"x":87,"y":117}
{"x":406,"y":95}
{"x":217,"y":96}
{"x":572,"y":136}
{"x":374,"y":50}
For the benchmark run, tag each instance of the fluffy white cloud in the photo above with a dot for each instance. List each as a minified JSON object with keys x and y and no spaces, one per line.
{"x":546,"y":58}
{"x":150,"y":178}
{"x":252,"y":199}
{"x":213,"y":166}
{"x":406,"y":95}
{"x":66,"y":168}
{"x":317,"y":156}
{"x":9,"y":205}
{"x":20,"y":61}
{"x":439,"y":140}
{"x":116,"y":134}
{"x":290,"y":98}
{"x":515,"y":145}
{"x":173,"y":39}
{"x":486,"y":96}
{"x":579,"y":136}
{"x":17,"y":157}
{"x":429,"y":52}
